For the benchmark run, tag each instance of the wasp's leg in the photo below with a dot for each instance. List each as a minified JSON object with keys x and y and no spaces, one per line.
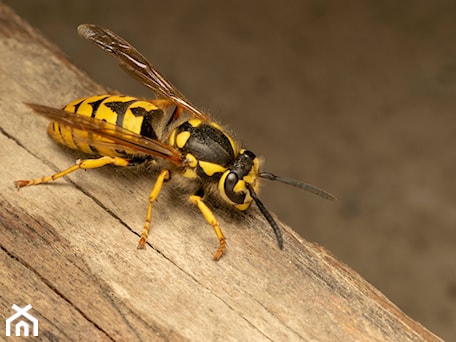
{"x":210,"y":218}
{"x":83,"y":164}
{"x":162,"y":177}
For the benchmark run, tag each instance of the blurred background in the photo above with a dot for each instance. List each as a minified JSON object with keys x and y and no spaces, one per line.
{"x":357,"y":97}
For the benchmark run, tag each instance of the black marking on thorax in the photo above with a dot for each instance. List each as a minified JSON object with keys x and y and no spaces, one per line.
{"x":208,"y":143}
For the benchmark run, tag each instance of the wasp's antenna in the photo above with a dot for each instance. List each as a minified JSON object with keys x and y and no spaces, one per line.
{"x":268,"y":216}
{"x":297,"y":184}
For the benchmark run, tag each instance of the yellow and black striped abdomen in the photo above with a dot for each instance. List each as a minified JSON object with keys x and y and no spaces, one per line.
{"x":128,"y":112}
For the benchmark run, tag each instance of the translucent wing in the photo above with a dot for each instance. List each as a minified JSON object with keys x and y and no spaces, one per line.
{"x":135,"y":64}
{"x":122,"y":139}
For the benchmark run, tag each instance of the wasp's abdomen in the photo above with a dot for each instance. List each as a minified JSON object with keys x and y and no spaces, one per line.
{"x":128,"y":112}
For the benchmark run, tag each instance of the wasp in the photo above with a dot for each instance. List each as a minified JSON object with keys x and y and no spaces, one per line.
{"x":167,"y":131}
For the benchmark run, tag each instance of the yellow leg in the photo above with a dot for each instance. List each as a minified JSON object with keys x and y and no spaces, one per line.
{"x":83,"y":164}
{"x":162,"y":177}
{"x":210,"y":218}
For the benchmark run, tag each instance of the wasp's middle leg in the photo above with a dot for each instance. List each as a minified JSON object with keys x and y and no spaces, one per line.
{"x":162,"y":177}
{"x":210,"y":218}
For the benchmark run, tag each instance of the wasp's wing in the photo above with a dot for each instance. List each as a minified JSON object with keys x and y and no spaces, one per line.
{"x":132,"y":61}
{"x":122,"y":139}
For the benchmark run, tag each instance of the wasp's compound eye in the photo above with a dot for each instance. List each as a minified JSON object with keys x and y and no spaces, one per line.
{"x":231,"y":181}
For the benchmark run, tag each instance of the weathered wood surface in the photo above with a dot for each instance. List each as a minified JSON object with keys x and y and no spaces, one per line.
{"x":69,"y":248}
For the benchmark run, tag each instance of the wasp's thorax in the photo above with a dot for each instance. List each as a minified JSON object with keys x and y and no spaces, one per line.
{"x":212,"y":155}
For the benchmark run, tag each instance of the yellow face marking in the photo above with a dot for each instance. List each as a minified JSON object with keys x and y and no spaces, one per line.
{"x":252,"y":176}
{"x":240,"y":186}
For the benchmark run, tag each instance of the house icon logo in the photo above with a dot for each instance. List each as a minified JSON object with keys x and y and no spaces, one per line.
{"x":22,"y":320}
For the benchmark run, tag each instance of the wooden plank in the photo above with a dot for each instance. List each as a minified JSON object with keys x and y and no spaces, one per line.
{"x":69,"y":248}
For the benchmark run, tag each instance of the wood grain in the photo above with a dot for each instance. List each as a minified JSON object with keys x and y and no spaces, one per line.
{"x":69,"y":248}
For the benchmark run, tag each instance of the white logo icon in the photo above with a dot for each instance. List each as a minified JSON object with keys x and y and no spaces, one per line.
{"x":22,"y":324}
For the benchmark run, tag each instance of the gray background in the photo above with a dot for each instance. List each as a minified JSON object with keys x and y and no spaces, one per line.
{"x":358,"y":97}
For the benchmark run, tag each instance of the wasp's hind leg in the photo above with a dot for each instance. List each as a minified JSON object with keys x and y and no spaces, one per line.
{"x":210,"y":218}
{"x":83,"y":164}
{"x":162,"y":177}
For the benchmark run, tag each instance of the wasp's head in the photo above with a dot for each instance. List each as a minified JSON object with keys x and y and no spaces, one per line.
{"x":238,"y":186}
{"x":237,"y":181}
